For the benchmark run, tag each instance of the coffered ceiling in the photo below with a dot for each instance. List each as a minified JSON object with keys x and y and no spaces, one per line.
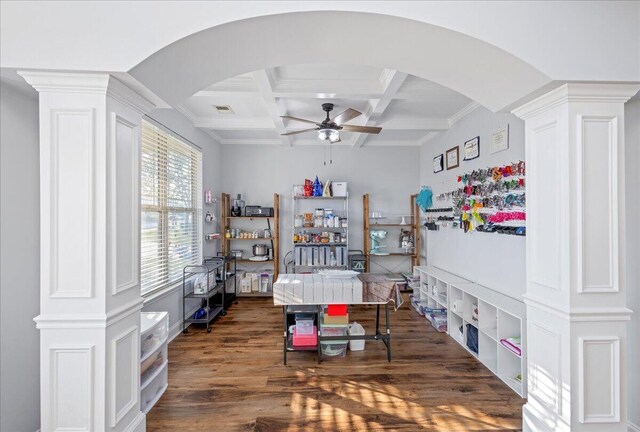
{"x":409,"y":109}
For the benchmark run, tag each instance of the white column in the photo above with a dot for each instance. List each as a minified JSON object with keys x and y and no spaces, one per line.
{"x":576,"y":300}
{"x":90,"y":272}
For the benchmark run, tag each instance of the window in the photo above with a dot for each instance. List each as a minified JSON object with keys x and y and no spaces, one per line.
{"x":170,"y":208}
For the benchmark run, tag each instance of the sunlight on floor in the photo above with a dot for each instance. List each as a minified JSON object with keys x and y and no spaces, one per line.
{"x":384,"y":400}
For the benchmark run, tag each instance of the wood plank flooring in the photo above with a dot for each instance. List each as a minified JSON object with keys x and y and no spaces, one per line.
{"x":233,"y":379}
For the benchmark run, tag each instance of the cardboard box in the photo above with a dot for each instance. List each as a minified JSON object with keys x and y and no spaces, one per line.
{"x":336,"y":320}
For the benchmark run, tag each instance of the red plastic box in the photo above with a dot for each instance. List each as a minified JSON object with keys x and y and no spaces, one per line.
{"x":337,"y":309}
{"x":305,"y":340}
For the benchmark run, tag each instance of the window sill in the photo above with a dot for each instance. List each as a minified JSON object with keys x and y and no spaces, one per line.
{"x":159,"y":293}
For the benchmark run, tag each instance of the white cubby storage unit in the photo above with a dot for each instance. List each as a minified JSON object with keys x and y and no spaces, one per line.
{"x":154,"y":337}
{"x":493,"y":315}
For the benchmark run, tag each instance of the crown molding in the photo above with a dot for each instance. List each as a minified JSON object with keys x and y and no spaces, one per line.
{"x":465,"y":111}
{"x":428,"y":137}
{"x":577,"y":92}
{"x":252,"y":141}
{"x":87,"y":83}
{"x":128,"y":97}
{"x":256,"y":123}
{"x":182,"y":109}
{"x":66,"y":82}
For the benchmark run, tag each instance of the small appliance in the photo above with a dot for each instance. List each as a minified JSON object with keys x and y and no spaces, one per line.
{"x":258,"y":211}
{"x":260,"y":250}
{"x":237,"y":205}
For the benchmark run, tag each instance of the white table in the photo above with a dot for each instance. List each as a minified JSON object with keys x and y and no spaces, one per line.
{"x":293,"y":290}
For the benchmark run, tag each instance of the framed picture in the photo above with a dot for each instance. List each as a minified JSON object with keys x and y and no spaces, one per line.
{"x":500,"y":139}
{"x":453,"y":157}
{"x":437,"y":164}
{"x":472,"y":148}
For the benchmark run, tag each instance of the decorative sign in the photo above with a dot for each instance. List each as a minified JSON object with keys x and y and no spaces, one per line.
{"x":500,"y":139}
{"x":437,"y":164}
{"x":453,"y":157}
{"x":472,"y":148}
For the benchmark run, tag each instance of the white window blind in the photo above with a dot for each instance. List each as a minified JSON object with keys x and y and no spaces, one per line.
{"x":170,"y":208}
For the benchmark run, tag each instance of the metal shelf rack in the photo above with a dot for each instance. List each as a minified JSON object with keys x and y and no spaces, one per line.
{"x":298,"y":208}
{"x":214,"y":271}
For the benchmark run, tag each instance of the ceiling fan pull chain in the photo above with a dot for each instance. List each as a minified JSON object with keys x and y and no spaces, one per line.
{"x":324,"y":148}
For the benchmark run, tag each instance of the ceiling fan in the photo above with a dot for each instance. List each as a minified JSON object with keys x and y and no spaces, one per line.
{"x":329,"y":129}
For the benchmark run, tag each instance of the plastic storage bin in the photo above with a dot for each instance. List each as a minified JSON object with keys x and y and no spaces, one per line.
{"x":305,"y":340}
{"x":154,"y":329}
{"x":150,"y":366}
{"x":305,"y":327}
{"x":356,"y":329}
{"x":333,"y":348}
{"x":153,"y":391}
{"x":304,"y":323}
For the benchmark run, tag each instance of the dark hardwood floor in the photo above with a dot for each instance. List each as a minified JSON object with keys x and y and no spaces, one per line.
{"x":233,"y":379}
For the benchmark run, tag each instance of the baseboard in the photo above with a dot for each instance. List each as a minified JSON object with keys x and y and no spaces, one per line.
{"x":632,"y":427}
{"x":175,"y":330}
{"x":139,"y":424}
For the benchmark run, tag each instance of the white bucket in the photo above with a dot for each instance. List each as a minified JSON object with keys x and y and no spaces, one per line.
{"x":356,"y":329}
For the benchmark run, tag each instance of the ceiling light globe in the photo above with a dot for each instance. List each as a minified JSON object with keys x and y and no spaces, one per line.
{"x":323,"y":134}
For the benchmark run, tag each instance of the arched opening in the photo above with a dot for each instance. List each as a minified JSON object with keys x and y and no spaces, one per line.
{"x":484,"y":73}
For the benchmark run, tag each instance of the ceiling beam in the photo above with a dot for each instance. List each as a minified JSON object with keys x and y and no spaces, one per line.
{"x":234,"y":124}
{"x":303,"y":93}
{"x":377,"y":107}
{"x":265,"y":85}
{"x":417,"y":124}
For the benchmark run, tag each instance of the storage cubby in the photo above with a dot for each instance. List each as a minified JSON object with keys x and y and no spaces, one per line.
{"x":488,"y":354}
{"x":466,"y":338}
{"x":442,"y":292}
{"x":455,"y":322}
{"x":470,"y":304}
{"x":508,"y":325}
{"x":456,"y":301}
{"x":497,"y":317}
{"x":488,"y":320}
{"x":509,"y":366}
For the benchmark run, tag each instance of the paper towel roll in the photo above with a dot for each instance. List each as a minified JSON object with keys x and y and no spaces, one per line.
{"x":457,"y":306}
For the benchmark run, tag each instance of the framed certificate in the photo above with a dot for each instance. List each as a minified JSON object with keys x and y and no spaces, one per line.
{"x":472,"y":148}
{"x":437,"y":163}
{"x":500,"y":139}
{"x":453,"y":157}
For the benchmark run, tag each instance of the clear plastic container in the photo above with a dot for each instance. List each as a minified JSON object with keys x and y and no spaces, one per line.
{"x":150,"y":366}
{"x":154,"y":390}
{"x":334,"y":349}
{"x":154,"y":329}
{"x":304,"y":326}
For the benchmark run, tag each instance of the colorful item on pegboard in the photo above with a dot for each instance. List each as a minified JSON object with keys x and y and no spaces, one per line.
{"x":487,"y":197}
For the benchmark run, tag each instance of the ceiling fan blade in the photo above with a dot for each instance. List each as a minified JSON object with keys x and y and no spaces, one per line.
{"x":363,"y":129}
{"x":300,"y":131}
{"x":299,"y":119}
{"x":345,"y":116}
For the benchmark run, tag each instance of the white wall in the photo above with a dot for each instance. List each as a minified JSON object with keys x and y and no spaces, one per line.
{"x":389,"y":175}
{"x":19,"y":259}
{"x":493,"y":260}
{"x":632,"y":158}
{"x":171,"y":300}
{"x":524,"y":28}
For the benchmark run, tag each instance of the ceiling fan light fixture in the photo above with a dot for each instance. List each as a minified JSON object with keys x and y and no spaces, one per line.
{"x":328,"y":134}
